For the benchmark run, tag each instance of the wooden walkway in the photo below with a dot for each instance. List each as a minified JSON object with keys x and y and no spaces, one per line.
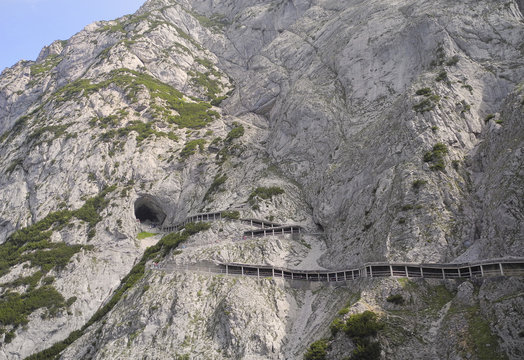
{"x":266,"y":228}
{"x":480,"y":269}
{"x":485,"y":268}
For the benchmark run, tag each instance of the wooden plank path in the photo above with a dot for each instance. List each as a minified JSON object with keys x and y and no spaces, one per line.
{"x":479,"y":269}
{"x":265,"y":226}
{"x":484,"y":268}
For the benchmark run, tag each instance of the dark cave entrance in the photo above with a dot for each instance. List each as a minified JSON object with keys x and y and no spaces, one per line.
{"x":147,"y":210}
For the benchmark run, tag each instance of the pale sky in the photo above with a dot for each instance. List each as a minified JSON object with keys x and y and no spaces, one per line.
{"x":26,"y":26}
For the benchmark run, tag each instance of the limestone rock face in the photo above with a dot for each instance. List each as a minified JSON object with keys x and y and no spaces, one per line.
{"x":393,"y":130}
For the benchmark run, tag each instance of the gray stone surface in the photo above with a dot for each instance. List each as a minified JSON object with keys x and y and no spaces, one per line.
{"x":326,"y":92}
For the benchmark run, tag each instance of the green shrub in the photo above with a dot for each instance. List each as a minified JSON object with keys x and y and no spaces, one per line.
{"x":362,"y":325}
{"x":417,"y":184}
{"x":317,"y":350}
{"x":469,"y":87}
{"x":233,"y":215}
{"x":395,"y":299}
{"x":424,"y":91}
{"x":191,"y":147}
{"x":204,"y":80}
{"x":15,"y":308}
{"x":336,"y":326}
{"x":407,"y":207}
{"x":48,"y":64}
{"x":265,"y":193}
{"x":423,"y":106}
{"x":235,"y":133}
{"x":193,"y":228}
{"x":71,"y":301}
{"x":366,"y":351}
{"x":452,"y":60}
{"x":442,"y":76}
{"x":215,"y":185}
{"x":9,"y":337}
{"x":489,"y":117}
{"x":436,"y":156}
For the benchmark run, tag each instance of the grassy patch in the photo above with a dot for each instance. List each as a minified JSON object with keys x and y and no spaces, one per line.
{"x":436,"y":157}
{"x":485,"y":343}
{"x":215,"y":22}
{"x":190,"y":114}
{"x":56,"y":131}
{"x":235,"y":133}
{"x":15,"y":308}
{"x":145,"y":235}
{"x":191,"y":147}
{"x":215,"y":186}
{"x":47,"y":65}
{"x":212,"y":86}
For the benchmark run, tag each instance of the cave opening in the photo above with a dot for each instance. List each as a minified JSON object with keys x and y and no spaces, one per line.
{"x":147,"y":210}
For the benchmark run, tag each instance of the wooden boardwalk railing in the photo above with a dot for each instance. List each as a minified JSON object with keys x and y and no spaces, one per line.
{"x":265,"y":226}
{"x":485,"y":268}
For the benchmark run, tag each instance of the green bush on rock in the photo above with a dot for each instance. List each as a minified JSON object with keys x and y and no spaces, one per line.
{"x":317,"y":350}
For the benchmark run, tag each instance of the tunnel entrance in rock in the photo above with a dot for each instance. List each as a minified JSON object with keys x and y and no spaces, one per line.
{"x":147,"y":210}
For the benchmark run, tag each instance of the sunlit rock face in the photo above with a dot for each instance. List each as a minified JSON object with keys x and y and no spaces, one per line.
{"x":388,"y":130}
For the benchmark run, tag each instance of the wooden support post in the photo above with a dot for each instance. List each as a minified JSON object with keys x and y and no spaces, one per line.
{"x":406,"y":270}
{"x":242,"y":268}
{"x":291,"y":276}
{"x":273,"y":272}
{"x":470,"y":273}
{"x":371,"y":272}
{"x":421,"y":272}
{"x":501,"y":269}
{"x":443,"y":274}
{"x":227,"y":272}
{"x":481,"y":270}
{"x":345,"y":276}
{"x":258,"y":272}
{"x":391,"y":270}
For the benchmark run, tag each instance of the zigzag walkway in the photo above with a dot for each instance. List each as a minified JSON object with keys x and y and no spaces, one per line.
{"x":266,"y":227}
{"x":484,"y":268}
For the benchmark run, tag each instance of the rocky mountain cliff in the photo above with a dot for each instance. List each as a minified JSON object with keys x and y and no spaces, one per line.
{"x":389,"y":130}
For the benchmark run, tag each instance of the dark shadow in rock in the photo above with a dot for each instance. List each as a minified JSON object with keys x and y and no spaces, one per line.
{"x":147,"y":210}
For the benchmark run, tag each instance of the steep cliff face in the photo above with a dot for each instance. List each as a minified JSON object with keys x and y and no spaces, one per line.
{"x":392,"y":130}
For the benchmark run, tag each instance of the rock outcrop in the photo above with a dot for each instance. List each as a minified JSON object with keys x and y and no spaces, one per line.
{"x":392,"y":130}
